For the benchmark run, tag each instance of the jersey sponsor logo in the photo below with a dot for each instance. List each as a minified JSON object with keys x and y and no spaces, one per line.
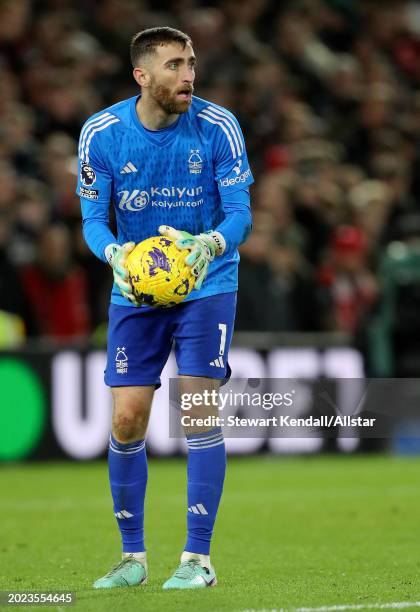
{"x":87,"y":175}
{"x":240,"y":177}
{"x":90,"y":194}
{"x":195,"y":163}
{"x":163,"y":197}
{"x":133,"y":201}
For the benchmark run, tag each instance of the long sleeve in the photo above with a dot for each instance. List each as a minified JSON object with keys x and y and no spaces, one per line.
{"x":237,"y":224}
{"x":94,"y":188}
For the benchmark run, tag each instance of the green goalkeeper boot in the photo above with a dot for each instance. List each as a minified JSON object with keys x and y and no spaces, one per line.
{"x":191,"y":575}
{"x":128,"y":572}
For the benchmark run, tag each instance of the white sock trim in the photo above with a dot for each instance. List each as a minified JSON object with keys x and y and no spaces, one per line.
{"x":203,"y":559}
{"x":138,"y":556}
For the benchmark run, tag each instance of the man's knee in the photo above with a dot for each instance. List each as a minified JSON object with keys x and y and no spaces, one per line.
{"x":131,"y":414}
{"x":129,"y":422}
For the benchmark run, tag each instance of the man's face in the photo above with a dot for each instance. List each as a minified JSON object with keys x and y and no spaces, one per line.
{"x":172,"y":74}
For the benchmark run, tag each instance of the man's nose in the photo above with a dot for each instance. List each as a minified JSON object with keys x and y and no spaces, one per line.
{"x":188,"y":75}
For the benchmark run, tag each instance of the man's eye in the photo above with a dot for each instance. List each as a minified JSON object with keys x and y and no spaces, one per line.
{"x":173,"y":66}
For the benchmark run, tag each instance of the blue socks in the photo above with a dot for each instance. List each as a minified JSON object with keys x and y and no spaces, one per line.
{"x":128,"y":478}
{"x":206,"y":474}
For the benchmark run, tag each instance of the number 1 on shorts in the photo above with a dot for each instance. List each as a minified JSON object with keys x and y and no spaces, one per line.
{"x":223,"y":328}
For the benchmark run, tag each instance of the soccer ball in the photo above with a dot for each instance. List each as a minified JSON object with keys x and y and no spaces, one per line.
{"x":158,"y":273}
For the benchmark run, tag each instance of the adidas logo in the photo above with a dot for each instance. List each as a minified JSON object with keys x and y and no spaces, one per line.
{"x":198,"y":509}
{"x":123,"y":514}
{"x":129,"y":167}
{"x":218,"y":363}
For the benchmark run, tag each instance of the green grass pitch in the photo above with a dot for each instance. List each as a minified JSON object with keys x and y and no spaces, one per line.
{"x":290,"y":533}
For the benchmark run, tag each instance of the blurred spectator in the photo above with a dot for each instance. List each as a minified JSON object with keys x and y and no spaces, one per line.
{"x":394,"y":332}
{"x":32,"y":215}
{"x":277,"y":291}
{"x":18,"y":139}
{"x":13,"y":306}
{"x":59,"y":169}
{"x":370,"y":202}
{"x":273,"y":196}
{"x":9,"y":186}
{"x":56,"y":289}
{"x":348,"y":289}
{"x":99,"y":277}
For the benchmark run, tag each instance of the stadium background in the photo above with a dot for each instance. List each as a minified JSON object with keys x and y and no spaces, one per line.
{"x":327,"y":93}
{"x":328,"y":96}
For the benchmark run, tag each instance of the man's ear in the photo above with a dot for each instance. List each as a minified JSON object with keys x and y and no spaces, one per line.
{"x":141,"y":76}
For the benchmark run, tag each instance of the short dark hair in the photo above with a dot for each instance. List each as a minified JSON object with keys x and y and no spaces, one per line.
{"x":145,"y":42}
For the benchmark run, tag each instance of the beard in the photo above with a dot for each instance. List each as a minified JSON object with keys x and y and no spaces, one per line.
{"x":168,"y":101}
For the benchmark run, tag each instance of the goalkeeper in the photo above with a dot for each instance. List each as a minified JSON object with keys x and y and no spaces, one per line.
{"x":176,"y":164}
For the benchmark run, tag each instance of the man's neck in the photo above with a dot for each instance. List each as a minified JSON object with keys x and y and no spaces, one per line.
{"x":152,"y":116}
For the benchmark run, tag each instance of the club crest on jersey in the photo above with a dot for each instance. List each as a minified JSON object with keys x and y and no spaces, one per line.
{"x":87,"y":175}
{"x":195,"y":163}
{"x":121,"y":361}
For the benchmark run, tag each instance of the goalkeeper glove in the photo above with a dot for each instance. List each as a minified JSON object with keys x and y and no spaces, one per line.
{"x":116,"y":256}
{"x":204,"y":248}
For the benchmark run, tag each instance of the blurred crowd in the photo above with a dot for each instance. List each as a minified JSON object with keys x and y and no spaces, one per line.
{"x":328,"y":96}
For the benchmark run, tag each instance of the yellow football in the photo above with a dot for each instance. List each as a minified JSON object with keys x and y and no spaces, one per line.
{"x":158,"y":273}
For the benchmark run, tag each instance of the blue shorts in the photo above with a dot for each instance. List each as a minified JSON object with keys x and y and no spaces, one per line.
{"x":140,"y":340}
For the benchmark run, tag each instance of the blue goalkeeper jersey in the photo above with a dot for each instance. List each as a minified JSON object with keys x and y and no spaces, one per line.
{"x":176,"y":176}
